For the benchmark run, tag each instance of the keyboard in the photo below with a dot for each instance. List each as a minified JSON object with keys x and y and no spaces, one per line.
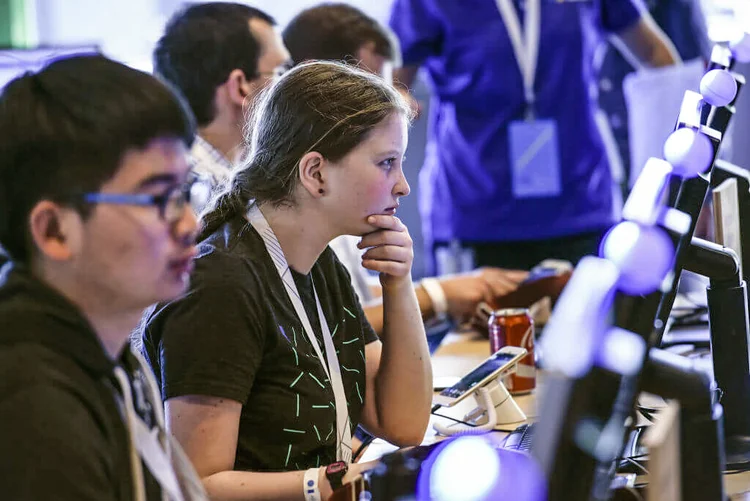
{"x":520,"y":438}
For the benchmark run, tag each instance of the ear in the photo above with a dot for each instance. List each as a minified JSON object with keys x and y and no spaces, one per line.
{"x":312,"y":173}
{"x":239,"y":88}
{"x":55,"y":231}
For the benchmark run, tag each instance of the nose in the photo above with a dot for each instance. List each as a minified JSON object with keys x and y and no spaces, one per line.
{"x":186,"y":228}
{"x":401,"y":189}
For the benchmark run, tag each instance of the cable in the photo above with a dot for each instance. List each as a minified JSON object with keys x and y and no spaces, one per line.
{"x":636,"y":463}
{"x":476,"y":430}
{"x":367,"y":441}
{"x":460,"y":421}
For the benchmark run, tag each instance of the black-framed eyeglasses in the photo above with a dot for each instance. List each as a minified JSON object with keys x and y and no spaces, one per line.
{"x":171,"y":204}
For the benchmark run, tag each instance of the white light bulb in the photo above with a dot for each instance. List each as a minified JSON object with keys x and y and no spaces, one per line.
{"x":689,"y":152}
{"x":741,"y":47}
{"x":643,"y":254}
{"x":718,"y":87}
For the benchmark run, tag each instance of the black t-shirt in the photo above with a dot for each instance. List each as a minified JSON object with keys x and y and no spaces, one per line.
{"x":235,"y":335}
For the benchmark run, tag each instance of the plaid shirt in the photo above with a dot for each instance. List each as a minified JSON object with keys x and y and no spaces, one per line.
{"x":213,"y":170}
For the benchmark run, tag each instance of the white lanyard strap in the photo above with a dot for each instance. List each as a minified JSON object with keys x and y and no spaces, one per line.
{"x":332,"y":367}
{"x":146,"y":445}
{"x":526,"y":46}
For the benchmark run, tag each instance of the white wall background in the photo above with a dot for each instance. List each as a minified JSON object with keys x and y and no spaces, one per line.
{"x":128,"y":30}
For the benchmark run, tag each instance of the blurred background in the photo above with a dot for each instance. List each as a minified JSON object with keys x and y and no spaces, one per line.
{"x":128,"y":30}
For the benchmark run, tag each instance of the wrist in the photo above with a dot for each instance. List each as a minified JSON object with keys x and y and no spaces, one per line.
{"x":435,"y":292}
{"x":391,"y":284}
{"x":335,"y":474}
{"x":311,"y":484}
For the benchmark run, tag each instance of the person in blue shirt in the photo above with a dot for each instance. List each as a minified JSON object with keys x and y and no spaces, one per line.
{"x":515,"y":171}
{"x":684,"y":23}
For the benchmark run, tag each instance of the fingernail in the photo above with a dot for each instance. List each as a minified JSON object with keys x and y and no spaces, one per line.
{"x":371,"y":219}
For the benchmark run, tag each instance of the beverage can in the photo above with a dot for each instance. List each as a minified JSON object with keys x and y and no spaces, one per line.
{"x":515,"y":327}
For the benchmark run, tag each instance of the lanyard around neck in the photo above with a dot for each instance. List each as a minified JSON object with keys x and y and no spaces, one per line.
{"x":332,"y":367}
{"x":526,"y":45}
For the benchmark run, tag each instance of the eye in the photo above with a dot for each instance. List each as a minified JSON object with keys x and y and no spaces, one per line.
{"x":388,"y":162}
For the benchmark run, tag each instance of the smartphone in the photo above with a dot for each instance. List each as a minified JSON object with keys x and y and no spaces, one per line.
{"x":501,"y":361}
{"x":539,"y":273}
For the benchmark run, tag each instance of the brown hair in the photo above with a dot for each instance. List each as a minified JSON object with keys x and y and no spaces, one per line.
{"x":320,"y":106}
{"x":336,"y":31}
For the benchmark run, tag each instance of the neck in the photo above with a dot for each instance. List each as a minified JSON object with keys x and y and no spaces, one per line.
{"x":302,"y":234}
{"x":111,"y":323}
{"x":225,"y":136}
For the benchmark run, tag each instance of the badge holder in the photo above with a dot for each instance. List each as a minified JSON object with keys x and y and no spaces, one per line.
{"x":495,"y":406}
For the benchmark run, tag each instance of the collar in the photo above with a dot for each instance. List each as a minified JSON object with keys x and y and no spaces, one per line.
{"x":207,"y":161}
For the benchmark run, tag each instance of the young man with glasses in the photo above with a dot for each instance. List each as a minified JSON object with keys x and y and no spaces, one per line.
{"x":219,"y":55}
{"x":95,"y":219}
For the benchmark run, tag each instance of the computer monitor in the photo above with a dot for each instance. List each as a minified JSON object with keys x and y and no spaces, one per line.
{"x":14,"y":62}
{"x":727,"y":218}
{"x":724,"y":171}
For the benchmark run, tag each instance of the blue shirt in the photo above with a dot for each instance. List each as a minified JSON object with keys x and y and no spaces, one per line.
{"x":465,"y":183}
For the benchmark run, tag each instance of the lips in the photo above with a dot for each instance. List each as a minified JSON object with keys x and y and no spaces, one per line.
{"x":184,"y":264}
{"x":390,"y":210}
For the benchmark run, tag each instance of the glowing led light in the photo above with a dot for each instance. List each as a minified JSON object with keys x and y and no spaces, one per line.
{"x":643,"y":254}
{"x":718,"y":87}
{"x":740,"y":45}
{"x":465,"y":470}
{"x":689,"y":152}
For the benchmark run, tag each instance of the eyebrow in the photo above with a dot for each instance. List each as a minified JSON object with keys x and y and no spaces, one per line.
{"x":393,"y":153}
{"x":157,"y":179}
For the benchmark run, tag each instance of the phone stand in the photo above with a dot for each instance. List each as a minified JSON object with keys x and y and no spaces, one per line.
{"x":506,"y":409}
{"x":495,"y":406}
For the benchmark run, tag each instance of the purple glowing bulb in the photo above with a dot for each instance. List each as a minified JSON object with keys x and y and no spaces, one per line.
{"x":718,"y":87}
{"x":643,"y":254}
{"x":689,"y":152}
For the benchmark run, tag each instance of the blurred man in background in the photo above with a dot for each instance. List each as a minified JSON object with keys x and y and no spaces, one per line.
{"x":219,"y":55}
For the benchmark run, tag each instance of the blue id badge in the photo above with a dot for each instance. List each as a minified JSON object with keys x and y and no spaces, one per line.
{"x":534,"y":158}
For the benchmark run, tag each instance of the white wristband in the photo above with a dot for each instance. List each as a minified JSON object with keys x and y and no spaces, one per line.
{"x":437,"y":296}
{"x":310,"y":485}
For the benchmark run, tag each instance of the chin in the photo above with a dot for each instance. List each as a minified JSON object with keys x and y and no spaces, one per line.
{"x":174,"y":287}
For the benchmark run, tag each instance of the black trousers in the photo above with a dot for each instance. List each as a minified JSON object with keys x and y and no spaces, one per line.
{"x":524,"y":255}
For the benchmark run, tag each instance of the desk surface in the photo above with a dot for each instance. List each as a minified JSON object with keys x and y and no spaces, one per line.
{"x":457,"y":355}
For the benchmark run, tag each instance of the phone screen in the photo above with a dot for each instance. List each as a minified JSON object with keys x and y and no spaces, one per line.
{"x":492,"y":364}
{"x":539,"y":273}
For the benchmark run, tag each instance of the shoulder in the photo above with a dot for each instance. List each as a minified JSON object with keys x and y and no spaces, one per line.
{"x":30,"y":365}
{"x":46,"y":397}
{"x":233,"y":256}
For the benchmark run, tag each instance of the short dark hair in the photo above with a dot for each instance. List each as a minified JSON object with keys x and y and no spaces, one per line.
{"x":326,"y":107}
{"x":202,"y":45}
{"x":65,"y":130}
{"x":335,"y":31}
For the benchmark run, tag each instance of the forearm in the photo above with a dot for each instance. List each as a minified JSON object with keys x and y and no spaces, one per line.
{"x":250,"y":485}
{"x":648,"y":44}
{"x":404,"y":380}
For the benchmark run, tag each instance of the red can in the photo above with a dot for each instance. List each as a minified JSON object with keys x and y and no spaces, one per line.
{"x":515,"y":327}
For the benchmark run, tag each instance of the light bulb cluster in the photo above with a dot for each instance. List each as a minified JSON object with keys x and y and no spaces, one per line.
{"x":637,"y":255}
